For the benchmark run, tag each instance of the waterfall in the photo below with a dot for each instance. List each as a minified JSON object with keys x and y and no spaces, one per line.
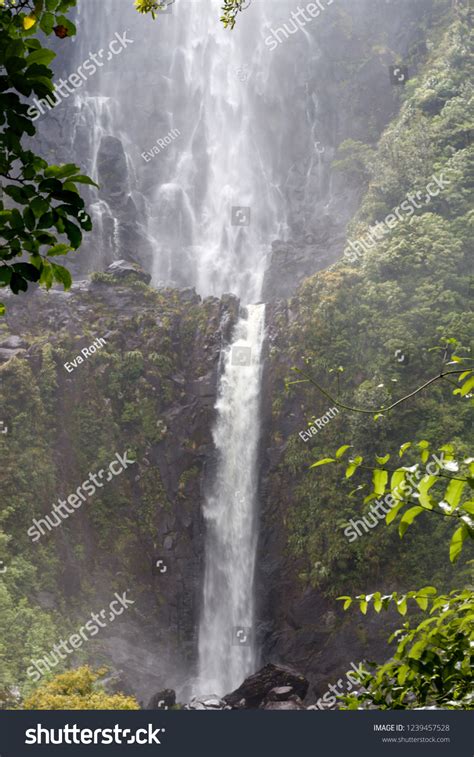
{"x":227,"y":648}
{"x":200,"y":208}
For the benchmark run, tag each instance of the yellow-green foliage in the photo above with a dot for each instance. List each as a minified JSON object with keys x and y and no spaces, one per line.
{"x":78,"y":690}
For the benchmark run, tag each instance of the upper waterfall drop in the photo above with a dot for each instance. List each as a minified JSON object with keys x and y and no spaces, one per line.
{"x":207,"y":201}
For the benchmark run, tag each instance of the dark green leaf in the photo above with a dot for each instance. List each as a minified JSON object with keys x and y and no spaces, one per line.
{"x":27,"y":271}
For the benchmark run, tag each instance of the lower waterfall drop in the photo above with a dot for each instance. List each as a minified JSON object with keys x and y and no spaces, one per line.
{"x":227,"y":648}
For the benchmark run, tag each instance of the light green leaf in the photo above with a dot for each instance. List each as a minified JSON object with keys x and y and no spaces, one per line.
{"x":80,"y":179}
{"x":377,"y":602}
{"x":453,"y":492}
{"x":347,"y":602}
{"x":430,"y":590}
{"x":379,"y":478}
{"x":467,"y":387}
{"x":342,"y":449}
{"x":424,"y":448}
{"x":404,"y":448}
{"x":392,"y":514}
{"x":402,"y":606}
{"x":59,"y":249}
{"x":61,"y":172}
{"x":417,"y":650}
{"x":468,"y":506}
{"x":61,"y":275}
{"x":397,"y":479}
{"x":421,"y":601}
{"x":408,"y":518}
{"x":324,"y":461}
{"x":423,"y":487}
{"x":402,"y":674}
{"x":42,"y":56}
{"x":457,"y":541}
{"x":46,"y":277}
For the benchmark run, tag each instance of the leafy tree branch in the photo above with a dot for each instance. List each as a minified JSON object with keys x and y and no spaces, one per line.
{"x":378,"y":411}
{"x":40,"y":204}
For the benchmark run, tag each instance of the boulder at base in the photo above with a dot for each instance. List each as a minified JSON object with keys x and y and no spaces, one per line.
{"x":163,"y":700}
{"x":256,"y":687}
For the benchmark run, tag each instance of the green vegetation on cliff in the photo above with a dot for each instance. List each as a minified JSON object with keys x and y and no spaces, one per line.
{"x":377,"y":317}
{"x":61,"y":426}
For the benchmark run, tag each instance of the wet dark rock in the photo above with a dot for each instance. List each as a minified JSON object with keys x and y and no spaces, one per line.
{"x":112,"y":168}
{"x":206,"y":702}
{"x":6,"y":354}
{"x":13,"y":342}
{"x":256,"y":687}
{"x":205,"y":388}
{"x":162,"y":700}
{"x":123,"y":269}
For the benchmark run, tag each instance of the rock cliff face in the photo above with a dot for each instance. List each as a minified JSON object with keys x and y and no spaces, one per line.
{"x":151,"y":390}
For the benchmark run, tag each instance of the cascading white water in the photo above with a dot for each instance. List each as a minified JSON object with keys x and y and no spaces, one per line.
{"x":227,"y":98}
{"x":227,"y":648}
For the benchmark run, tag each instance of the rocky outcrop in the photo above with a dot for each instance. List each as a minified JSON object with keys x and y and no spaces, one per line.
{"x":264,"y":690}
{"x":256,"y":689}
{"x":207,"y":702}
{"x":293,"y":261}
{"x":10,"y":347}
{"x":123,"y":269}
{"x":163,"y":700}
